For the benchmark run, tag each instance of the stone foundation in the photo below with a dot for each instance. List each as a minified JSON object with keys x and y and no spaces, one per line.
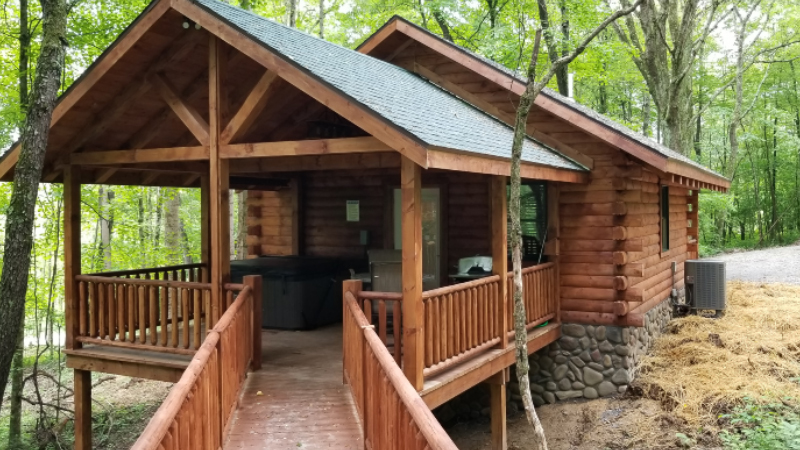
{"x":592,"y":361}
{"x":586,"y":362}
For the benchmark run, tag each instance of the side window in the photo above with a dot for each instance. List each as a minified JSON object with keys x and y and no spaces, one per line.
{"x":533,"y":219}
{"x":664,"y":218}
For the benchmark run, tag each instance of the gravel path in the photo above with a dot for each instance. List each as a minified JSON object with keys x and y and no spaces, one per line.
{"x":772,"y":265}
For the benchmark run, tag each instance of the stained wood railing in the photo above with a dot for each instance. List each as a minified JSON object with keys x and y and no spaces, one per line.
{"x":185,"y":272}
{"x":383,"y":308}
{"x":393,"y":415}
{"x":460,"y":322}
{"x":162,"y":315}
{"x":540,"y":295}
{"x":198,"y":409}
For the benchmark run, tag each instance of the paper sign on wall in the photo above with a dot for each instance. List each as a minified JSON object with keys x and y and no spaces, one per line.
{"x":353,"y":211}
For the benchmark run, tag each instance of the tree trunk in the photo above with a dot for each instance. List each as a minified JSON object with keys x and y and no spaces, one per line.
{"x":322,"y":19}
{"x":172,"y":226}
{"x":291,"y":13}
{"x":106,"y":223}
{"x":552,"y":47}
{"x":646,"y":115}
{"x":441,"y":20}
{"x":27,"y":173}
{"x":241,"y":239}
{"x":15,"y":408}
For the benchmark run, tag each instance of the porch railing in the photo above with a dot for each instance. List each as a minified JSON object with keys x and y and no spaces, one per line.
{"x":393,"y":415}
{"x":540,"y":295}
{"x":384,"y":309}
{"x":195,"y":273}
{"x":198,"y":409}
{"x":460,"y":322}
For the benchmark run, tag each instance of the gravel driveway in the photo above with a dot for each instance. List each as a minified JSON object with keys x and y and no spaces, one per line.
{"x":772,"y":265}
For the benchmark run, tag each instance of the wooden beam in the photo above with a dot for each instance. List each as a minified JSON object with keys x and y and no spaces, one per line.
{"x":188,"y":115}
{"x":508,"y":118}
{"x":360,"y":115}
{"x":252,"y":106}
{"x":107,"y":173}
{"x":499,"y":225}
{"x":683,"y":169}
{"x":367,"y":144}
{"x":468,"y":162}
{"x":411,"y":225}
{"x":83,"y":409}
{"x":72,"y":252}
{"x":153,"y":155}
{"x":498,"y":415}
{"x":354,"y":161}
{"x":219,"y":184}
{"x":205,"y":226}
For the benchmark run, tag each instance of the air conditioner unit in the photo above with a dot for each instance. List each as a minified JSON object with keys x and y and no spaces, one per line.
{"x":705,"y":284}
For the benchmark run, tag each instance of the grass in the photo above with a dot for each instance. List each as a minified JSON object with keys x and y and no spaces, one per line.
{"x":759,"y":426}
{"x":712,"y":247}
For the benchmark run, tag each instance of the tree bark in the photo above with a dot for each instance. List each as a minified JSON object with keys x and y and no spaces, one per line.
{"x":441,"y":20}
{"x":552,"y":47}
{"x":322,"y":19}
{"x":241,"y":239}
{"x":532,"y":90}
{"x":17,"y":384}
{"x":172,"y":226}
{"x":291,"y":13}
{"x":27,"y":173}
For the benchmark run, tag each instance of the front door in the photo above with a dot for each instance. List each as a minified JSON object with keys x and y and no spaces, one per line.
{"x":431,"y":234}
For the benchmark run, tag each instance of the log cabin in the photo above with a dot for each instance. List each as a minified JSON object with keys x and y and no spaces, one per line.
{"x":384,"y":171}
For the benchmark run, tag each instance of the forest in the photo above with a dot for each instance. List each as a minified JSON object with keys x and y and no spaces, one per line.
{"x":716,"y":80}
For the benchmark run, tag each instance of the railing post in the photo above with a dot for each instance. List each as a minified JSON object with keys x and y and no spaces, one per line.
{"x":413,"y":309}
{"x":500,"y":251}
{"x":553,"y":243}
{"x":354,"y":287}
{"x":72,"y":251}
{"x":254,"y":281}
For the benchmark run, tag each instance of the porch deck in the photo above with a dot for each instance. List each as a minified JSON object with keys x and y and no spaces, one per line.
{"x":304,"y":403}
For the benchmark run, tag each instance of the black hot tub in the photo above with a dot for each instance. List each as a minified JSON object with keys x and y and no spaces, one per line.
{"x":299,"y":292}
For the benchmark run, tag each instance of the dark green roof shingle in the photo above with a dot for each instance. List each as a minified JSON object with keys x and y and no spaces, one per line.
{"x":410,"y":102}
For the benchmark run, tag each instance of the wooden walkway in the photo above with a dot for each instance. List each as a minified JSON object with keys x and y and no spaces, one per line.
{"x":304,"y":404}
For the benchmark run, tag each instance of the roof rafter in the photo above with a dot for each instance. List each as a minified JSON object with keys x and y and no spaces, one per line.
{"x":188,"y":115}
{"x":253,"y":104}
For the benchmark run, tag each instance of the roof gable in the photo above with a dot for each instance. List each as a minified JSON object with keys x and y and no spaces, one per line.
{"x":398,"y":33}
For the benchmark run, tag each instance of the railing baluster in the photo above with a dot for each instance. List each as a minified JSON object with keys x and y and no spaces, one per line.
{"x":83,"y":308}
{"x":186,"y":316}
{"x":163,"y":306}
{"x":153,"y":295}
{"x":173,"y":299}
{"x":131,"y":300}
{"x":198,"y":312}
{"x":141,"y":299}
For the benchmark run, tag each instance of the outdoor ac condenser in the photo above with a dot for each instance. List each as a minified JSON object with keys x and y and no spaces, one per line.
{"x":705,"y":284}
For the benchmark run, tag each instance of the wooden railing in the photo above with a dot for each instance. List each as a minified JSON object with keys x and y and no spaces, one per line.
{"x":393,"y":415}
{"x":162,"y":315}
{"x":460,"y":322}
{"x":195,"y":273}
{"x":198,"y":409}
{"x":384,"y":309}
{"x":540,"y":294}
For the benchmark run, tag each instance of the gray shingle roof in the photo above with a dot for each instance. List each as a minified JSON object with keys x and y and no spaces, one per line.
{"x":647,"y":142}
{"x":431,"y":114}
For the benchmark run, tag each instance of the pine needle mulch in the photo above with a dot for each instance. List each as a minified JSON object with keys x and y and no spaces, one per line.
{"x":702,"y":367}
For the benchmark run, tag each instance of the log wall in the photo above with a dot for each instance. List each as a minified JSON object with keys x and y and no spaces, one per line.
{"x":611,"y":253}
{"x":325,"y":231}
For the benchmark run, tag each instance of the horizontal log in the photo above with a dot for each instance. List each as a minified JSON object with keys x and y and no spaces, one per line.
{"x":599,"y":306}
{"x":607,"y":197}
{"x":597,"y":209}
{"x":367,"y":144}
{"x":613,"y":233}
{"x":631,"y":270}
{"x":620,"y":308}
{"x":599,"y":245}
{"x":593,"y":318}
{"x":631,"y":220}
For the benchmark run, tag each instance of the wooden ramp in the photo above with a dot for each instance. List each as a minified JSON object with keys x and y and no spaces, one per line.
{"x":304,"y":403}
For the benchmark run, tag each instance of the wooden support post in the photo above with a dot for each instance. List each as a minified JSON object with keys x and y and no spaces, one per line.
{"x":83,"y":409}
{"x":72,"y":251}
{"x":411,"y":224}
{"x":554,"y":237}
{"x":692,"y":223}
{"x":219,"y":185}
{"x":254,"y":281}
{"x":354,"y":287}
{"x":497,"y":400}
{"x":499,"y":199}
{"x":205,"y":227}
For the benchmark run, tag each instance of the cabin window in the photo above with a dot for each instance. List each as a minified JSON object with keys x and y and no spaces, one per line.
{"x":533,"y":219}
{"x":664,"y":218}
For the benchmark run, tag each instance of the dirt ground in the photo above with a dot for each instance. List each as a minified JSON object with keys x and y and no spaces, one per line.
{"x":579,"y":425}
{"x":680,"y":393}
{"x":772,"y":265}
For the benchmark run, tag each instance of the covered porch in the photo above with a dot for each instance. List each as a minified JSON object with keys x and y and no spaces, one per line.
{"x":335,"y":169}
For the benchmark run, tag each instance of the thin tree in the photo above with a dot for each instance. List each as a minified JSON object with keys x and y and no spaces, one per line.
{"x":532,"y":90}
{"x":27,"y":173}
{"x":17,"y":382}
